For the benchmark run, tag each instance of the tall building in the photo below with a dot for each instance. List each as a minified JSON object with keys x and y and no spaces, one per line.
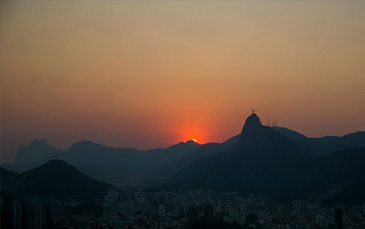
{"x":208,"y":213}
{"x":286,"y":208}
{"x":15,"y":208}
{"x":339,"y":218}
{"x":34,"y":215}
{"x":3,"y":203}
{"x":193,"y":215}
{"x":272,"y":208}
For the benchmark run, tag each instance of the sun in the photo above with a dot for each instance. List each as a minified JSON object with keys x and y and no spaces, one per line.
{"x":194,"y":140}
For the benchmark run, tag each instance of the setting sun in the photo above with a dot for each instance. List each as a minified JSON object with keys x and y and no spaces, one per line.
{"x":193,"y":139}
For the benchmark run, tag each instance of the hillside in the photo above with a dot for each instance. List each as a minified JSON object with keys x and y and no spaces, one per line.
{"x":55,"y":178}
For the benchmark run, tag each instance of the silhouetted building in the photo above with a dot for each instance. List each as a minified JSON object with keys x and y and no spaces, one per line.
{"x":52,"y":210}
{"x":250,"y":218}
{"x":272,"y":208}
{"x":85,"y":213}
{"x":339,"y":218}
{"x":193,"y":215}
{"x":286,"y":208}
{"x":208,"y":213}
{"x":3,"y":203}
{"x":34,"y":215}
{"x":252,"y":203}
{"x":331,"y":226}
{"x":15,"y":208}
{"x":341,"y":206}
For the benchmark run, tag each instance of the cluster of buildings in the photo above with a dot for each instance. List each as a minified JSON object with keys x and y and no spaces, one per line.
{"x":203,"y":208}
{"x":33,"y":213}
{"x":185,"y":209}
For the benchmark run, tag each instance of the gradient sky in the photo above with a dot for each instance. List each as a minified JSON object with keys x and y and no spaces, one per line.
{"x":149,"y":74}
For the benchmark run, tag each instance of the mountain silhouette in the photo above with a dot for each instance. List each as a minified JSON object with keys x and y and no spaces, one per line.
{"x":263,"y":141}
{"x":119,"y":165}
{"x":37,"y":150}
{"x":324,"y":145}
{"x":202,"y":151}
{"x":56,"y":178}
{"x":116,"y":164}
{"x":293,"y":135}
{"x":266,"y":161}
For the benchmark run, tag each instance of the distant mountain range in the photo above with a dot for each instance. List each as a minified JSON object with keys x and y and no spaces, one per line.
{"x":325,"y":145}
{"x":36,"y":151}
{"x":112,"y":164}
{"x":261,"y":159}
{"x":267,"y":161}
{"x":54,"y":178}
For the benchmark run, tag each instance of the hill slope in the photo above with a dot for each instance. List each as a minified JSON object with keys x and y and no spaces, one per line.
{"x":265,"y":161}
{"x":325,"y":145}
{"x":58,"y":179}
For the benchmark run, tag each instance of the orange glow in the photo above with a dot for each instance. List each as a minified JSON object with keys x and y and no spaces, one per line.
{"x":193,"y":140}
{"x":152,"y":74}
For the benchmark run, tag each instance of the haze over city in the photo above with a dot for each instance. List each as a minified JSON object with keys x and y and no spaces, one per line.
{"x":151,"y":74}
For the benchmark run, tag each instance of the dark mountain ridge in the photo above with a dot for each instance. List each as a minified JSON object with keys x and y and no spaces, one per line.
{"x":264,"y":141}
{"x":115,"y":164}
{"x":122,"y":165}
{"x":126,"y":165}
{"x":55,"y":178}
{"x":204,"y":150}
{"x":266,"y":161}
{"x":36,"y":150}
{"x":325,"y":145}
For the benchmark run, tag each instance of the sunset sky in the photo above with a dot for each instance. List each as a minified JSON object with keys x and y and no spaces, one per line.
{"x":149,"y":74}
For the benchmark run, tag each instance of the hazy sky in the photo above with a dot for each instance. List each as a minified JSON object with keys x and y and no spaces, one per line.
{"x":148,"y":74}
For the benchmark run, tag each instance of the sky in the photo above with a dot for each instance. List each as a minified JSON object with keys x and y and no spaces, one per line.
{"x":149,"y":74}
